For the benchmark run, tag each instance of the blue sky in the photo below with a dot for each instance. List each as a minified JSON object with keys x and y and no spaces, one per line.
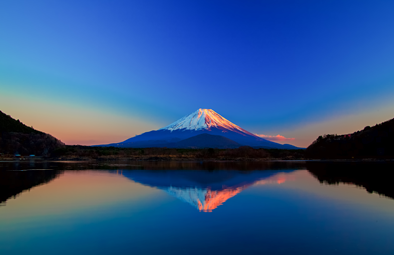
{"x":268,"y":66}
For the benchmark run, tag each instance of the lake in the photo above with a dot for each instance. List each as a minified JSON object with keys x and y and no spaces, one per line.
{"x":196,"y":208}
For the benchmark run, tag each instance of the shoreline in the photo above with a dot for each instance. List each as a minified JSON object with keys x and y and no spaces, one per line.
{"x":170,"y":159}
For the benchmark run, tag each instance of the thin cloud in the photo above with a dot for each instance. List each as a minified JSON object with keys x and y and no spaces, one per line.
{"x":277,"y":138}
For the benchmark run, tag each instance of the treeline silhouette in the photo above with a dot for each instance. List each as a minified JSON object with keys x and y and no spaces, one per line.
{"x":8,"y":124}
{"x":243,"y":152}
{"x":371,"y":142}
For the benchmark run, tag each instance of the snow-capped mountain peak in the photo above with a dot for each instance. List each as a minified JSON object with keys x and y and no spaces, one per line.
{"x":204,"y":119}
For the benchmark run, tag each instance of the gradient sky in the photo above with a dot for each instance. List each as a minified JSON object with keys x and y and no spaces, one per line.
{"x":91,"y":72}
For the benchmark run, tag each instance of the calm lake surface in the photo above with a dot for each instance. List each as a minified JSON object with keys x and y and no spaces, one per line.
{"x":196,"y":208}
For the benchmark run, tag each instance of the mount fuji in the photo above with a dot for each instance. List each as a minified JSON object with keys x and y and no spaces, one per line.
{"x":202,"y":121}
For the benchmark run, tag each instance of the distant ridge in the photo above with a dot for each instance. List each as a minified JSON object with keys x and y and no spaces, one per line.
{"x":202,"y":121}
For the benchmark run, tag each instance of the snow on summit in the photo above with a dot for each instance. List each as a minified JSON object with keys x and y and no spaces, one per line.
{"x":204,"y":119}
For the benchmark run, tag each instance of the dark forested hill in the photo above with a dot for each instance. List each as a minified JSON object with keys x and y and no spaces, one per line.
{"x":8,"y":124}
{"x":371,"y":142}
{"x":16,"y":137}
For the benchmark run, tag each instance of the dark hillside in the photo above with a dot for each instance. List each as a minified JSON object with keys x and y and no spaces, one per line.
{"x":8,"y":124}
{"x":16,"y":137}
{"x":371,"y":142}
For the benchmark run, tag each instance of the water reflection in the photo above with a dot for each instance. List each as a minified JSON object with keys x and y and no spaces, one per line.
{"x":205,"y":190}
{"x":204,"y":185}
{"x":120,"y":208}
{"x":372,"y":176}
{"x":12,"y":183}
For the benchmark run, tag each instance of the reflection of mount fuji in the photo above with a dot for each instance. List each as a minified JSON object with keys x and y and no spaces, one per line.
{"x":204,"y":190}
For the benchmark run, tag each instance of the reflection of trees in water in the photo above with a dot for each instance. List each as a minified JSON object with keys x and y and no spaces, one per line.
{"x":374,"y":177}
{"x":13,"y":183}
{"x":156,"y":165}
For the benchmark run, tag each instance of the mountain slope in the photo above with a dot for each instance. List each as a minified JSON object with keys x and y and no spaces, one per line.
{"x":205,"y":119}
{"x":206,"y":141}
{"x":372,"y":142}
{"x":202,"y":121}
{"x":16,"y":137}
{"x":8,"y":124}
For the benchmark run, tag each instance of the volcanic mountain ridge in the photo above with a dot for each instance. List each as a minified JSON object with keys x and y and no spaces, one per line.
{"x":202,"y":121}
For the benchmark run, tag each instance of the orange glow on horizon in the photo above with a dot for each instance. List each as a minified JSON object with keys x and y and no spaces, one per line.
{"x":277,"y":138}
{"x":76,"y":124}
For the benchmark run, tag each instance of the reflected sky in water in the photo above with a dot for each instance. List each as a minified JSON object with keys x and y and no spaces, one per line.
{"x":159,"y":211}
